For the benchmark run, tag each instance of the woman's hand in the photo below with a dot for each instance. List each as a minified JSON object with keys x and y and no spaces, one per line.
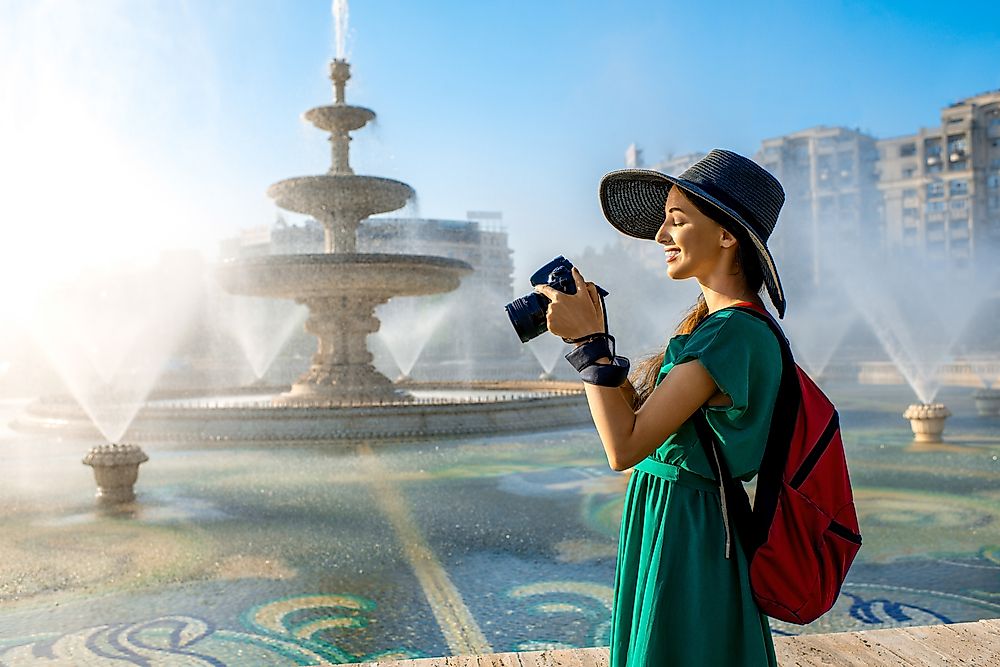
{"x":577,"y":315}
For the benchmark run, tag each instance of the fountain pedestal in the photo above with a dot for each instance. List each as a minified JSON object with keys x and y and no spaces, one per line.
{"x":987,"y":402}
{"x":116,"y":469}
{"x":927,"y":421}
{"x":342,"y":369}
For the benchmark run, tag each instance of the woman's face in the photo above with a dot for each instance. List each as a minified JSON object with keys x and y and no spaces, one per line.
{"x":693,"y":242}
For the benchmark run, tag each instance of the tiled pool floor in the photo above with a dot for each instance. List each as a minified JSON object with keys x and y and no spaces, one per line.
{"x":297,"y":555}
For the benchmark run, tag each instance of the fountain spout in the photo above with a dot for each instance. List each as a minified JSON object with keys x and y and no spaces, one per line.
{"x":340,"y":140}
{"x":340,"y":72}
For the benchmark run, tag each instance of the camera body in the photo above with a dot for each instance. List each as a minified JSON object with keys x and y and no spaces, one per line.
{"x":527,"y":314}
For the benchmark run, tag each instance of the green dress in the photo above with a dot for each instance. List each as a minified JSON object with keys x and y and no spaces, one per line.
{"x":678,"y":600}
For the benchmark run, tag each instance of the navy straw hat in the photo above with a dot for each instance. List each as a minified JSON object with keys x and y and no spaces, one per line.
{"x":744,"y":192}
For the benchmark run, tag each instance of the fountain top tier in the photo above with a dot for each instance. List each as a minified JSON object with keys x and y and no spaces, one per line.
{"x":340,"y":199}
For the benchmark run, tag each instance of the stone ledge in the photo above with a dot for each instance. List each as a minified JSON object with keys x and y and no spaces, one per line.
{"x":972,"y":644}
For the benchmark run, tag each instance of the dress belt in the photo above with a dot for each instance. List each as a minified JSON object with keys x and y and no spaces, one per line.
{"x":672,"y":473}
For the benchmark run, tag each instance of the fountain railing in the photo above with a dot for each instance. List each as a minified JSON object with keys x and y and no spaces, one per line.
{"x":956,"y":373}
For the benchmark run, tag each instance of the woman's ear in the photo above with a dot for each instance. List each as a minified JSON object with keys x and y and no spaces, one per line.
{"x":728,"y":240}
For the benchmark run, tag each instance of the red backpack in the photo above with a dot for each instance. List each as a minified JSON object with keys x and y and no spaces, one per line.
{"x":801,"y":535}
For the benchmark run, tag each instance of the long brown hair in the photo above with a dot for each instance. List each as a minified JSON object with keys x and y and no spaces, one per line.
{"x":647,"y":369}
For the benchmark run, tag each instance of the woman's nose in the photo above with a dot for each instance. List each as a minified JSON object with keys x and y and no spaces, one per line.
{"x":662,"y":235}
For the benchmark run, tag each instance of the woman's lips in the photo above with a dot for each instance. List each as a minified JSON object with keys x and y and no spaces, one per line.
{"x":672,"y":255}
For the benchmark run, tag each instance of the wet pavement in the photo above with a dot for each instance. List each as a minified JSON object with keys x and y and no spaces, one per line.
{"x":281,"y":554}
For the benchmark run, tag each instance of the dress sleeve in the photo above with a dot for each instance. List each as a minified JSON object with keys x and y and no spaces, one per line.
{"x":723,"y":345}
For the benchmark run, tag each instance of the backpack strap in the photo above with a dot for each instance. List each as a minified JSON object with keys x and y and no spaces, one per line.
{"x":779,"y":439}
{"x":752,"y":522}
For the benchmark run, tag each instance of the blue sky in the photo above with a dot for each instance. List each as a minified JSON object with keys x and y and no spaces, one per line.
{"x":141,"y":125}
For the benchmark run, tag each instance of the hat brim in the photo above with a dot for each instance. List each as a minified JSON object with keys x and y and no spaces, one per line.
{"x":633,"y":201}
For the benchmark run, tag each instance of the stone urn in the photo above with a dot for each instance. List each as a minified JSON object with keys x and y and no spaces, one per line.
{"x":987,"y":402}
{"x":927,"y":421}
{"x":116,"y":468}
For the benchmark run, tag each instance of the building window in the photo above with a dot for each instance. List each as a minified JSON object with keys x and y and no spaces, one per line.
{"x":957,"y":144}
{"x":959,"y":204}
{"x":909,"y":172}
{"x":932,"y":147}
{"x":993,"y":181}
{"x":958,"y":187}
{"x":909,"y":192}
{"x":934,"y":206}
{"x":935,"y":189}
{"x":847,"y":202}
{"x":954,"y":120}
{"x":960,"y":165}
{"x":910,"y":212}
{"x":824,"y":167}
{"x":908,"y":150}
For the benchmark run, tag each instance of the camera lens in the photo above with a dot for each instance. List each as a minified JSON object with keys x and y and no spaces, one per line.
{"x":527,"y":315}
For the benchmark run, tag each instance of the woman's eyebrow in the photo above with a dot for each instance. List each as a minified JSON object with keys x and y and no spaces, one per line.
{"x":675,"y":208}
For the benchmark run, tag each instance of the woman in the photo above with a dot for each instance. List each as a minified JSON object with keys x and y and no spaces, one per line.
{"x":682,"y":593}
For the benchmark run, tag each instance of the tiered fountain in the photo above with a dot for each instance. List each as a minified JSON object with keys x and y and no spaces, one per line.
{"x":341,"y":287}
{"x":341,"y":397}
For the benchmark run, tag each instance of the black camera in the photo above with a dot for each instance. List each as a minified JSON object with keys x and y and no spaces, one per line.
{"x":527,"y":314}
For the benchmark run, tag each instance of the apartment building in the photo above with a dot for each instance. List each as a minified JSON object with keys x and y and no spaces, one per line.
{"x":941,"y":186}
{"x":831,"y":198}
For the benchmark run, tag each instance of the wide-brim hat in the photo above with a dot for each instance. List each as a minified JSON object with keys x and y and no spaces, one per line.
{"x":745,"y":193}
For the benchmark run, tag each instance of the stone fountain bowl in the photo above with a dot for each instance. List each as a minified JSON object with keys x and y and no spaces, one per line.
{"x":444,"y":410}
{"x":339,"y":117}
{"x":356,"y":196}
{"x":341,"y":274}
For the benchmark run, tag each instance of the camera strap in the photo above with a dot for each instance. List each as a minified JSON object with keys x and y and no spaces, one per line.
{"x":599,"y":346}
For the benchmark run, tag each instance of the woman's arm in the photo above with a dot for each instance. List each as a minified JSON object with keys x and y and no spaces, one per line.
{"x":628,"y":435}
{"x":629,"y":393}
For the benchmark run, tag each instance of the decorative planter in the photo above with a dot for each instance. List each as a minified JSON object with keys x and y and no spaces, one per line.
{"x":987,"y":402}
{"x":927,"y":420}
{"x":116,"y":468}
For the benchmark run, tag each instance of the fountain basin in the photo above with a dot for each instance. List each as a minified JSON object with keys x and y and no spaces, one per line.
{"x":339,"y":118}
{"x":987,"y":402}
{"x":348,"y":195}
{"x":437,"y":410}
{"x":341,"y":274}
{"x":927,"y":421}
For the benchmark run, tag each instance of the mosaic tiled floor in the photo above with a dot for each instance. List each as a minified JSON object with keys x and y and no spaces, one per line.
{"x":309,"y":555}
